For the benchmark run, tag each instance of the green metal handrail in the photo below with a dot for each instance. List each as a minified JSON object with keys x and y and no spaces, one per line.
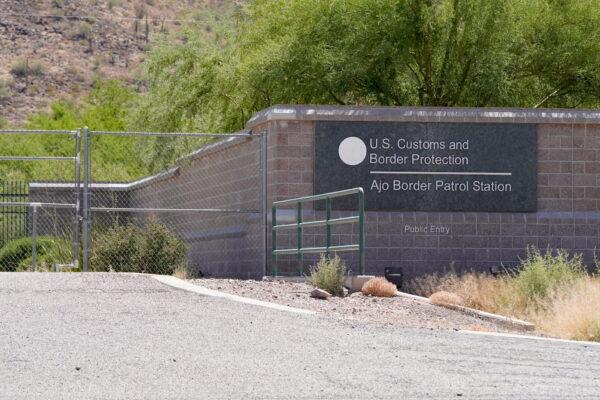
{"x":328,"y":222}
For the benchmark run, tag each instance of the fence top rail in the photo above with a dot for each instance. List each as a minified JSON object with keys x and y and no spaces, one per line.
{"x":36,"y":158}
{"x":36,"y":204}
{"x":174,"y":210}
{"x":35,"y":132}
{"x":322,"y":196}
{"x":247,"y":134}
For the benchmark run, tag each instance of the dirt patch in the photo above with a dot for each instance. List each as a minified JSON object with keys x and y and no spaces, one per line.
{"x":378,"y":310}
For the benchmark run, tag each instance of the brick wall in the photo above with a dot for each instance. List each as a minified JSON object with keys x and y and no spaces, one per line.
{"x":568,"y":213}
{"x":227,"y":175}
{"x":222,"y":176}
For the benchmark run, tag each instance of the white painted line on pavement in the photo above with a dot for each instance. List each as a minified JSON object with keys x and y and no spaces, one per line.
{"x":181,"y":284}
{"x":517,"y":336}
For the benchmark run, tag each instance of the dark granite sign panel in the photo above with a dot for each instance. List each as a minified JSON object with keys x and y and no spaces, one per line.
{"x":430,"y":166}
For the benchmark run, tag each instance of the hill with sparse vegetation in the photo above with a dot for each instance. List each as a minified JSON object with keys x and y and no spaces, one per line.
{"x":56,"y":49}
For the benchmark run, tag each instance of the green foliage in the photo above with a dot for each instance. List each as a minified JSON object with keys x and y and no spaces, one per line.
{"x":161,"y":251}
{"x":329,"y":274}
{"x":105,"y":108}
{"x":517,"y":53}
{"x":116,"y":249}
{"x":16,"y":254}
{"x":542,"y":273}
{"x":153,"y":249}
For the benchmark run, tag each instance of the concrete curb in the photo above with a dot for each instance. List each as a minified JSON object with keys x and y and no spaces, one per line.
{"x":499,"y":319}
{"x":183,"y":285}
{"x":530,"y":337}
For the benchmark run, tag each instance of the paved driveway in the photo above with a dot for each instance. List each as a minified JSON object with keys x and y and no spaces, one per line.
{"x":110,"y":336}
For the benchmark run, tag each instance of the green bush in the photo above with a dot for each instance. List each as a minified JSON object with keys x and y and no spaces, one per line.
{"x":16,"y":254}
{"x":542,"y":273}
{"x":116,"y":249}
{"x":160,"y":250}
{"x":329,"y":274}
{"x":152,"y":249}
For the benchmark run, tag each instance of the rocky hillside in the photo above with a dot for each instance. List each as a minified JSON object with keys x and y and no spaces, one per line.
{"x":53,"y":49}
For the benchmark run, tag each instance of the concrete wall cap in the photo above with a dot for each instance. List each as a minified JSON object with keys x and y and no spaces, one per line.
{"x":422,"y":114}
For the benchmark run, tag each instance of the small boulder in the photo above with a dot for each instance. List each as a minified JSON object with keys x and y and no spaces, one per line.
{"x":320,"y":294}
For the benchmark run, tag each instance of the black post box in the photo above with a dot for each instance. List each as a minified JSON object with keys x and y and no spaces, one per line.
{"x":394,"y":275}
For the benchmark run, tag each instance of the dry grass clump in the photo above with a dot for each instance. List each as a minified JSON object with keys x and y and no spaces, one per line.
{"x":479,"y":291}
{"x":574,"y":313}
{"x":553,"y":290}
{"x":379,"y":287}
{"x":182,"y":272}
{"x":446,"y":298}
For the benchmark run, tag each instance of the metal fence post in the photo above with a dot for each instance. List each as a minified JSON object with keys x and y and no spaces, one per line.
{"x":34,"y":237}
{"x":299,"y":241}
{"x":361,"y":231}
{"x":274,"y":242}
{"x":77,"y":199}
{"x":327,"y":218}
{"x":264,"y":203}
{"x":86,"y":199}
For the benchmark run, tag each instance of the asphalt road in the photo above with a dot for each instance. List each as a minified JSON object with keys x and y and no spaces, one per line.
{"x":109,"y":336}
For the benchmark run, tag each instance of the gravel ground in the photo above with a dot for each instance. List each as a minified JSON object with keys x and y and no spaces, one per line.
{"x":118,"y":336}
{"x":385,"y":311}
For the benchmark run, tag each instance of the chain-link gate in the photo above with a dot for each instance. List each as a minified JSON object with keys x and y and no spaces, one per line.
{"x":193,"y":204}
{"x":39,"y":226}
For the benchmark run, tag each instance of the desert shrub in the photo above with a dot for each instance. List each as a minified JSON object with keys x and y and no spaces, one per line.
{"x":113,"y":3}
{"x":446,"y":298}
{"x":23,"y":67}
{"x":379,"y":287}
{"x":152,"y":249}
{"x":541,"y":273}
{"x":83,"y":31}
{"x":4,"y":89}
{"x":329,"y":274}
{"x":16,"y":254}
{"x":161,"y":251}
{"x":116,"y":249}
{"x":186,"y":271}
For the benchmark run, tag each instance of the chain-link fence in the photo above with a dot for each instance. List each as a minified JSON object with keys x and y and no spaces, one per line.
{"x":185,"y":203}
{"x":39,"y":226}
{"x":197,"y":211}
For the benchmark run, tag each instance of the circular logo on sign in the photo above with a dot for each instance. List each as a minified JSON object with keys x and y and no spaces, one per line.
{"x":352,"y":150}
